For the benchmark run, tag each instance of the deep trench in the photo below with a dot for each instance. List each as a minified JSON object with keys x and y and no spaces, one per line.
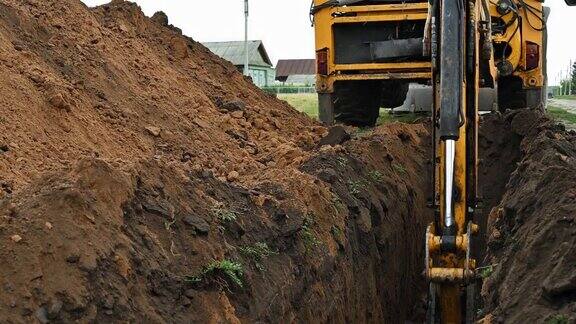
{"x":499,"y":150}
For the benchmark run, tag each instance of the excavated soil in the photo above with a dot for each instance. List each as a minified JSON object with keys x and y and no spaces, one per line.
{"x":144,"y":179}
{"x":532,"y":233}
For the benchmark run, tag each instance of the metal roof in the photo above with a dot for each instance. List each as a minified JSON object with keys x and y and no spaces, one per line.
{"x":285,"y":68}
{"x":234,"y":52}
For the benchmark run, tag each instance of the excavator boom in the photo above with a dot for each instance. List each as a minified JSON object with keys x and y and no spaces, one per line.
{"x":455,"y":58}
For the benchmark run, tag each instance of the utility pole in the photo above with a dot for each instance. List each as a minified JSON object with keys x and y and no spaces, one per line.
{"x":246,"y":57}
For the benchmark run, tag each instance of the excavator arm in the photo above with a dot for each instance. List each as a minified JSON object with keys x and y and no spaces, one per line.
{"x":455,"y":55}
{"x":460,"y":45}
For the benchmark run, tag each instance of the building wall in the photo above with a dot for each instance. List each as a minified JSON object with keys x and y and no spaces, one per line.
{"x":262,"y":76}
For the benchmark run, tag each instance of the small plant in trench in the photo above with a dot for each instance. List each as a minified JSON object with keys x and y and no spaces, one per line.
{"x":307,"y":234}
{"x":399,"y":168}
{"x":225,"y":214}
{"x":376,"y":176}
{"x":336,"y":231}
{"x":557,"y":319}
{"x":337,"y":202}
{"x":257,"y":252}
{"x":228,"y":270}
{"x":168,"y":225}
{"x":355,"y":187}
{"x":342,"y":161}
{"x":486,"y":272}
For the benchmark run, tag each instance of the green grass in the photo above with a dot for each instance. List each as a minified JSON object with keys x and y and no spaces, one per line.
{"x":257,"y":252}
{"x":486,"y":272}
{"x":399,"y":168}
{"x":308,"y":236}
{"x":304,"y":102}
{"x":376,"y":176}
{"x":557,"y":319}
{"x":355,"y":187}
{"x":568,"y":97}
{"x":562,"y":115}
{"x":386,"y":117}
{"x":225,"y":214}
{"x":308,"y":103}
{"x":225,"y":269}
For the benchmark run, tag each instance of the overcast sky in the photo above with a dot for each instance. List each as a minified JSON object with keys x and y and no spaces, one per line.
{"x":284,"y":26}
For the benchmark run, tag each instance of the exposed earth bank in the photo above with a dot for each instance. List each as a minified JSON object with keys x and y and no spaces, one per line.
{"x":532,"y":233}
{"x":144,"y":179}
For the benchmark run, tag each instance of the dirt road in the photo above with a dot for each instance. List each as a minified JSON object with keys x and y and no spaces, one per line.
{"x":569,"y":105}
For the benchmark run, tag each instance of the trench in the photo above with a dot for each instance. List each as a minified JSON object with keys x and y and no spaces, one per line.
{"x":201,"y":175}
{"x":396,"y":233}
{"x":396,"y":212}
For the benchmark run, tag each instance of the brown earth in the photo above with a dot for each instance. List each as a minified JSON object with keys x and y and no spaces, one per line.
{"x":143,"y":179}
{"x":533,"y":231}
{"x":133,"y":160}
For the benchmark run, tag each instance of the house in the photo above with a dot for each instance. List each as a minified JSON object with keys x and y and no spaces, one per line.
{"x":260,"y":66}
{"x":296,"y":72}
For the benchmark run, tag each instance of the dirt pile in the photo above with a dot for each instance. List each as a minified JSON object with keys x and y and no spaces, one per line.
{"x":113,"y":84}
{"x":145,"y":180}
{"x":532,"y":234}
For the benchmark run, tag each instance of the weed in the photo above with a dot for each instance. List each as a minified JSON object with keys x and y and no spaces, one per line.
{"x":557,"y":319}
{"x":336,"y":231}
{"x":258,"y":252}
{"x":399,"y":168}
{"x":231,"y":271}
{"x":308,"y":237}
{"x":386,"y":117}
{"x":168,"y":225}
{"x":376,"y":176}
{"x":486,"y":272}
{"x":342,"y":161}
{"x":338,"y":204}
{"x":225,"y":214}
{"x":355,"y":187}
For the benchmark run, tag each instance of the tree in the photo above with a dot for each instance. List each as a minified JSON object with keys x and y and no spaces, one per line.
{"x":573,"y":79}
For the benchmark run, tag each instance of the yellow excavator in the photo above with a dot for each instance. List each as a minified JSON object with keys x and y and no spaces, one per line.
{"x":368,"y":51}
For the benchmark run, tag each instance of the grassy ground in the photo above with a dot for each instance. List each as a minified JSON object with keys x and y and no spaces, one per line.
{"x":305,"y":102}
{"x":562,"y":115}
{"x":570,"y":97}
{"x":386,"y":117}
{"x":308,"y":103}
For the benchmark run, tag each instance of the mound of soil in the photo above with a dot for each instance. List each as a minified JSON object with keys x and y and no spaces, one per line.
{"x":146,"y":180}
{"x":113,"y":84}
{"x":532,"y":233}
